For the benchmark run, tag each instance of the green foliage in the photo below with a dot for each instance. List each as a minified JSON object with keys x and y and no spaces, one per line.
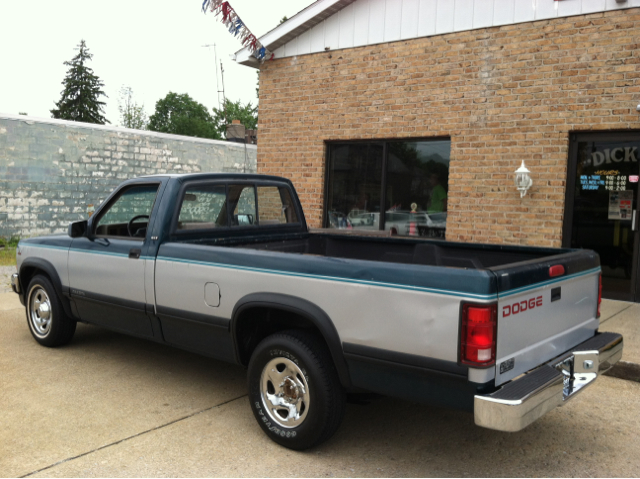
{"x":8,"y":256}
{"x":132,"y":115}
{"x":82,"y":90}
{"x":10,"y":242}
{"x":8,"y":251}
{"x":182,"y":115}
{"x":247,"y":114}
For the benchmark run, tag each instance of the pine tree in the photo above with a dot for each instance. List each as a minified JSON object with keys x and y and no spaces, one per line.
{"x":82,"y":90}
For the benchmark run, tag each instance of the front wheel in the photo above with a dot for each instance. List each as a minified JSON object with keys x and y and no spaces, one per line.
{"x":48,"y":323}
{"x":294,"y":390}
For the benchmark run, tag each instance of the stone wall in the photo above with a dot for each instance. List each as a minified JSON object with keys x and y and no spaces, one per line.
{"x":52,"y":170}
{"x":501,"y":94}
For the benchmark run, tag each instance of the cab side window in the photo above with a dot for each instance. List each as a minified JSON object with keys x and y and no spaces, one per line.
{"x":235,"y":205}
{"x":243,"y":200}
{"x":203,"y":207}
{"x":276,"y":206}
{"x":128,"y":215}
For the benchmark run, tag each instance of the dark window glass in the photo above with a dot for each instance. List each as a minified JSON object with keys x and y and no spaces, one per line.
{"x":411,"y":178}
{"x":416,"y":187}
{"x":605,"y":200}
{"x":355,"y":186}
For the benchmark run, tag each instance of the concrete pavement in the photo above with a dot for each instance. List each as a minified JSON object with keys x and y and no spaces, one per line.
{"x":110,"y":405}
{"x":5,"y":278}
{"x":624,"y":318}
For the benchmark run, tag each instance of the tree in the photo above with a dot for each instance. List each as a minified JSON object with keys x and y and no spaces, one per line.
{"x":247,"y":114}
{"x":82,"y":90}
{"x":182,"y":115}
{"x":132,"y":115}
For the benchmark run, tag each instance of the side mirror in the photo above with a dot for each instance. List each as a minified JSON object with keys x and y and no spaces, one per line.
{"x":78,"y":229}
{"x":245,"y":220}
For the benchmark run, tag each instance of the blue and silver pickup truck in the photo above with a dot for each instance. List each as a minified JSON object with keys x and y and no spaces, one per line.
{"x":224,"y":265}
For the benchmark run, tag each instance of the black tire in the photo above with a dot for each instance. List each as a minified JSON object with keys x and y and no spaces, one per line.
{"x":317,"y":393}
{"x":48,"y":323}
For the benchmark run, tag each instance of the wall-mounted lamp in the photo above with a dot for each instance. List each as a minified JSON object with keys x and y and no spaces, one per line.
{"x":523,"y":180}
{"x":638,"y":107}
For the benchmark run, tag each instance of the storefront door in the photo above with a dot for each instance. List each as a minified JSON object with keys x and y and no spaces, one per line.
{"x":602,"y":205}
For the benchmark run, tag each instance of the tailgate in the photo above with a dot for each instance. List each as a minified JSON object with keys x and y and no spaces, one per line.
{"x":540,"y":316}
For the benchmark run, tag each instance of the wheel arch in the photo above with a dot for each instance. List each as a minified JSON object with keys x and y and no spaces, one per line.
{"x":30,"y":267}
{"x":255,"y":306}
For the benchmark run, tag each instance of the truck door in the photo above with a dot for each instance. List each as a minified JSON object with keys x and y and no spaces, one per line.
{"x":107,"y":268}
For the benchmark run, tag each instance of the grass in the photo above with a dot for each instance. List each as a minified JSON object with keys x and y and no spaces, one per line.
{"x":8,"y":253}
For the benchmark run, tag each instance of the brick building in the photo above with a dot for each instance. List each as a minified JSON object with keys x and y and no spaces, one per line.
{"x":413,"y":115}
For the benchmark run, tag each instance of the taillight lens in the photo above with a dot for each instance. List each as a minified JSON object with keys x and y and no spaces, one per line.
{"x":599,"y":293}
{"x":556,"y":270}
{"x":478,"y":338}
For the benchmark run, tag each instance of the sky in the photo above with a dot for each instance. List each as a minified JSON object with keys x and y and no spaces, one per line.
{"x":154,"y":47}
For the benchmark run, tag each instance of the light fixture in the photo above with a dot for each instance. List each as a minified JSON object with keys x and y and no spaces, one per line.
{"x":523,"y":180}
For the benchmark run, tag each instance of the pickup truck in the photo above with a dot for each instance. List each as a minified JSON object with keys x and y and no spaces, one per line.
{"x":225,"y":266}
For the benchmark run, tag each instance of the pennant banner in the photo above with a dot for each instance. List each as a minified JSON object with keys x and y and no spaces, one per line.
{"x":237,"y":28}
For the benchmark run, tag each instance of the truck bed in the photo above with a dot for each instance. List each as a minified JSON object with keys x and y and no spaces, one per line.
{"x":391,"y":250}
{"x":564,"y":315}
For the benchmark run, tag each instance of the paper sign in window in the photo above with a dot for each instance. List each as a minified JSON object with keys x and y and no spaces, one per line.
{"x":620,"y":205}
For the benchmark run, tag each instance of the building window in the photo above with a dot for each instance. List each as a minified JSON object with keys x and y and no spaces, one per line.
{"x":407,"y":180}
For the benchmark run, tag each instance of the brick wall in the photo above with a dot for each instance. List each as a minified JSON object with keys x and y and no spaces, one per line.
{"x":51,"y":170}
{"x":502,"y":95}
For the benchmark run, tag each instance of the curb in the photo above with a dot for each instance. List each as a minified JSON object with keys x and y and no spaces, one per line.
{"x":625,"y":370}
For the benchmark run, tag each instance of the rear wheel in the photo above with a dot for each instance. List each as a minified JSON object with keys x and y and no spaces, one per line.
{"x":294,"y":390}
{"x":48,"y":323}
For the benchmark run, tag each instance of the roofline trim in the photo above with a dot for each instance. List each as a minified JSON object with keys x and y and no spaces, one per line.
{"x":274,"y":38}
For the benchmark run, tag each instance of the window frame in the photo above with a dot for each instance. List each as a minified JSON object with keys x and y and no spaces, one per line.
{"x":95,"y":220}
{"x":231,"y":213}
{"x":291,"y":198}
{"x":181,"y":195}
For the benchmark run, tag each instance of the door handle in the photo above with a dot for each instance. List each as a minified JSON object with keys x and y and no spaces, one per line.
{"x":634,"y":220}
{"x":134,"y":253}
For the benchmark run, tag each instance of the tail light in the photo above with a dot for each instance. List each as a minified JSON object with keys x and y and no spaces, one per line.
{"x":556,"y":270}
{"x":478,"y":335}
{"x":599,"y":293}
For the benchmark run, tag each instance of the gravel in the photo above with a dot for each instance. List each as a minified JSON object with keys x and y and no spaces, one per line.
{"x":5,"y":278}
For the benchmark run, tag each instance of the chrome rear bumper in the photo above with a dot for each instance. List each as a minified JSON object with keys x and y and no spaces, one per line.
{"x":522,"y":401}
